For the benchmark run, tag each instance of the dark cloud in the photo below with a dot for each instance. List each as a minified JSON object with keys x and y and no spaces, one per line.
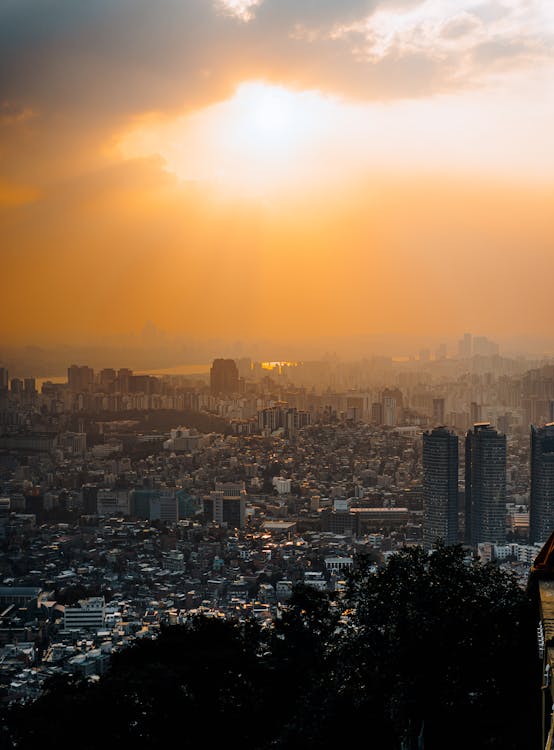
{"x":73,"y":73}
{"x":129,"y":56}
{"x":314,"y":12}
{"x":133,"y":55}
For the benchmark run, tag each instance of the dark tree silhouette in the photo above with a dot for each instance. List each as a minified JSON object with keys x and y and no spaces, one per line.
{"x":429,"y":652}
{"x":449,"y":647}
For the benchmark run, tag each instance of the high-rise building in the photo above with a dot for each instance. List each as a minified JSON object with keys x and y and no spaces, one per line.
{"x":440,"y":487}
{"x":123,"y":381}
{"x":224,"y":376}
{"x":377,"y":413}
{"x":475,"y":412}
{"x":541,"y":516}
{"x":228,"y":504}
{"x":107,"y":379}
{"x":485,"y":484}
{"x":30,"y":386}
{"x":16,"y":385}
{"x":438,"y":411}
{"x":392,"y":401}
{"x":465,"y":346}
{"x":283,"y":416}
{"x":482,"y":346}
{"x":80,"y":379}
{"x":4,"y":379}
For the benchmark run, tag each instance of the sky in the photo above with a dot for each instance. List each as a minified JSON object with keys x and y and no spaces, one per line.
{"x":286,"y":168}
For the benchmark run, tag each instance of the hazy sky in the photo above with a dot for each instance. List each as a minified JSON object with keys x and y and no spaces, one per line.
{"x":276,"y":167}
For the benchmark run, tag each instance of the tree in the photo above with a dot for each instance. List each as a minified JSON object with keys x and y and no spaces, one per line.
{"x":449,"y":649}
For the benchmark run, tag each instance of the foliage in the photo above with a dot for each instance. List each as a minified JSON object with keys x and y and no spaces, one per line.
{"x":447,"y":645}
{"x":434,"y":650}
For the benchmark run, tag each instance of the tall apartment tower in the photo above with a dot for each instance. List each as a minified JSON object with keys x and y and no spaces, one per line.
{"x":485,"y":480}
{"x":80,"y":378}
{"x":541,"y":516}
{"x":224,"y":376}
{"x":438,"y":411}
{"x":475,"y":413}
{"x":440,"y":487}
{"x":392,"y":403}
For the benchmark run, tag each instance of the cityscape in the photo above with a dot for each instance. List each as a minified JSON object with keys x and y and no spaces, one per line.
{"x":277,"y":374}
{"x":132,"y":502}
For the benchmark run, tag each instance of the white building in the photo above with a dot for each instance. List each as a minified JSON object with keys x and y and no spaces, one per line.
{"x":182,"y":439}
{"x":336,"y":564}
{"x":526,"y":553}
{"x":174,"y":561}
{"x":282,"y":485}
{"x":90,"y":614}
{"x":315,"y":580}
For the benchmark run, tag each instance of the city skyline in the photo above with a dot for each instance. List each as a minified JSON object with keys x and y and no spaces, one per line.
{"x":276,"y":373}
{"x":248,"y":169}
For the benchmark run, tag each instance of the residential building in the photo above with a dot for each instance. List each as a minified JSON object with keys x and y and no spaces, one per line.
{"x":485,"y":484}
{"x":541,"y":517}
{"x":440,"y":487}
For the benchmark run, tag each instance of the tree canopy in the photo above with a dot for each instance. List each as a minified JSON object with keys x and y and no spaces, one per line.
{"x":430,"y":652}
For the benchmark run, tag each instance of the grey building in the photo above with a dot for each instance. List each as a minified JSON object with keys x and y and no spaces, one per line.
{"x":541,"y":516}
{"x":440,"y":487}
{"x":224,"y":377}
{"x":485,"y":484}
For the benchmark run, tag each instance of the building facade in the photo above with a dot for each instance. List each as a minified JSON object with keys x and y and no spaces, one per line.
{"x":485,"y":484}
{"x":224,"y":377}
{"x":541,"y":517}
{"x":440,"y":487}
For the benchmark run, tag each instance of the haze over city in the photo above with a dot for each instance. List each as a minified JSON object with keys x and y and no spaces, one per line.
{"x":289,"y":170}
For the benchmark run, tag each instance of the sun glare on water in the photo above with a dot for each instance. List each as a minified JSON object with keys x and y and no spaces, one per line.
{"x":263,"y":139}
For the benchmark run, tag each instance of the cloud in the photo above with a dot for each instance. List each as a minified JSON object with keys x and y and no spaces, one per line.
{"x":460,"y":26}
{"x":133,"y":56}
{"x":74,"y":75}
{"x":501,"y":53}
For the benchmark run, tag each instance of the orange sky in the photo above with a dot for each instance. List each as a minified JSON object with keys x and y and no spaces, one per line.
{"x":273,"y":168}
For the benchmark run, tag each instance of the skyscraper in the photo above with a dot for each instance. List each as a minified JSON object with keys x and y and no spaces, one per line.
{"x":541,"y":517}
{"x":392,"y":402}
{"x":474,"y":412}
{"x":485,"y":480}
{"x":80,"y":378}
{"x":440,"y":487}
{"x":224,"y":376}
{"x":465,"y":347}
{"x":438,"y":411}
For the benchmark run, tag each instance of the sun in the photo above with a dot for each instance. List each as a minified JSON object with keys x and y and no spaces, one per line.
{"x":263,"y":138}
{"x":269,"y":118}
